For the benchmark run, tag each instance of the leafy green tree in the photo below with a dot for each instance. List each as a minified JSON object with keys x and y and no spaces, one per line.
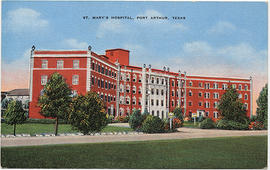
{"x":153,"y":124}
{"x":178,"y":113}
{"x":15,"y":114}
{"x":5,"y":102}
{"x":262,"y":105}
{"x":136,"y":119}
{"x":231,"y":107}
{"x":87,"y":113}
{"x":56,"y":99}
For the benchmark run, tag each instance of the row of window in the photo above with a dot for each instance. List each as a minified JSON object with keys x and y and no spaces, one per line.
{"x":103,"y":84}
{"x":75,"y":79}
{"x":206,"y":104}
{"x":127,"y":100}
{"x":128,"y":89}
{"x":102,"y":70}
{"x":60,"y":64}
{"x":107,"y":98}
{"x":215,"y":95}
{"x":215,"y":86}
{"x":215,"y":113}
{"x":157,"y":113}
{"x":127,"y":77}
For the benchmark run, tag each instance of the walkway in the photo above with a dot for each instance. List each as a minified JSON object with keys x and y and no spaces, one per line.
{"x":184,"y":133}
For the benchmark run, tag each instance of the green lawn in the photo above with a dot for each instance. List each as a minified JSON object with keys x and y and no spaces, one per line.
{"x":191,"y":124}
{"x":230,"y":152}
{"x":36,"y":128}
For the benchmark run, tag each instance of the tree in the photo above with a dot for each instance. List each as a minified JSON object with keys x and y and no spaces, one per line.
{"x":262,"y":105}
{"x":15,"y":114}
{"x":87,"y":113}
{"x":5,"y":102}
{"x":55,"y":100}
{"x":136,"y":119}
{"x":231,"y":107}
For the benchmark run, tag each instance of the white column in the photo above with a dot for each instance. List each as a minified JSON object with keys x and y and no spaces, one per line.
{"x":143,"y":89}
{"x":118,"y":88}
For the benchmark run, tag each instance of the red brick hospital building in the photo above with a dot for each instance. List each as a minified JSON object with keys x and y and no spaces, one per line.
{"x":124,"y":87}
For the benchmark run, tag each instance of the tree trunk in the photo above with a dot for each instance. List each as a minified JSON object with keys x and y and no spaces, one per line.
{"x":56,"y":126}
{"x":14,"y":129}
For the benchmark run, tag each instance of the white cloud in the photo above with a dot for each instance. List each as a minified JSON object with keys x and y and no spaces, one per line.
{"x":110,"y":26}
{"x":74,"y":44}
{"x":24,"y":19}
{"x":222,"y":27}
{"x":199,"y":57}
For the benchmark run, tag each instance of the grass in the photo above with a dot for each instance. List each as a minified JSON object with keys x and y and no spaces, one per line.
{"x":226,"y":152}
{"x":191,"y":124}
{"x":37,"y":128}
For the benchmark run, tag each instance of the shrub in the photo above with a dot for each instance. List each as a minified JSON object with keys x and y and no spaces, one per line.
{"x":177,"y":123}
{"x":201,"y":118}
{"x":256,"y":125}
{"x":231,"y":125}
{"x":207,"y":123}
{"x":136,"y":119}
{"x":178,"y":114}
{"x":153,"y":124}
{"x":110,"y":119}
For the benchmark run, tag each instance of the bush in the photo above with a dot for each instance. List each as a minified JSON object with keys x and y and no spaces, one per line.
{"x":153,"y":124}
{"x":178,"y":114}
{"x":177,"y":123}
{"x":207,"y":124}
{"x":201,"y":118}
{"x":231,"y":125}
{"x":256,"y":125}
{"x":136,"y":119}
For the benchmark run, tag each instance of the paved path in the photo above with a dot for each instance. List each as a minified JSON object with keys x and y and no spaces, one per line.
{"x":119,"y":124}
{"x":184,"y":133}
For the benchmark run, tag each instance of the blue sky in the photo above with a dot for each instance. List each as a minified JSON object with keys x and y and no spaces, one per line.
{"x":215,"y":39}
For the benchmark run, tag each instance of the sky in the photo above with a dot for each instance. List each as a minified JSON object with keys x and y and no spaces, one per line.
{"x":224,"y":39}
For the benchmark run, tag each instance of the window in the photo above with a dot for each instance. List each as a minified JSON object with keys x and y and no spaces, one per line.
{"x":60,"y":64}
{"x":128,"y":89}
{"x":246,"y":96}
{"x":134,"y":78}
{"x":157,"y":91}
{"x":172,"y":103}
{"x":207,"y":85}
{"x":215,"y":104}
{"x":140,"y":79}
{"x":140,"y":90}
{"x":246,"y":87}
{"x":44,"y":64}
{"x":44,"y":80}
{"x":157,"y":80}
{"x":224,"y":86}
{"x":207,"y":95}
{"x":200,"y":94}
{"x":121,"y":88}
{"x":153,"y":80}
{"x":99,"y":68}
{"x":76,"y":64}
{"x":190,"y":103}
{"x":98,"y":82}
{"x":162,"y":114}
{"x":215,"y":86}
{"x":134,"y":100}
{"x":245,"y":106}
{"x":128,"y":100}
{"x":240,"y":96}
{"x":140,"y":101}
{"x":157,"y":102}
{"x":206,"y":104}
{"x":110,"y":73}
{"x":134,"y":90}
{"x":207,"y":114}
{"x":102,"y":83}
{"x":153,"y":112}
{"x":121,"y":100}
{"x":162,"y":92}
{"x":162,"y":103}
{"x":190,"y":93}
{"x":152,"y":91}
{"x":172,"y":82}
{"x":128,"y":77}
{"x":190,"y":83}
{"x":162,"y":81}
{"x":158,"y":113}
{"x":106,"y":85}
{"x":173,"y":93}
{"x":200,"y":103}
{"x":75,"y":79}
{"x":234,"y":86}
{"x":215,"y":114}
{"x":152,"y":102}
{"x":215,"y":95}
{"x":200,"y":84}
{"x":106,"y":71}
{"x":240,"y":87}
{"x":93,"y":81}
{"x":102,"y":70}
